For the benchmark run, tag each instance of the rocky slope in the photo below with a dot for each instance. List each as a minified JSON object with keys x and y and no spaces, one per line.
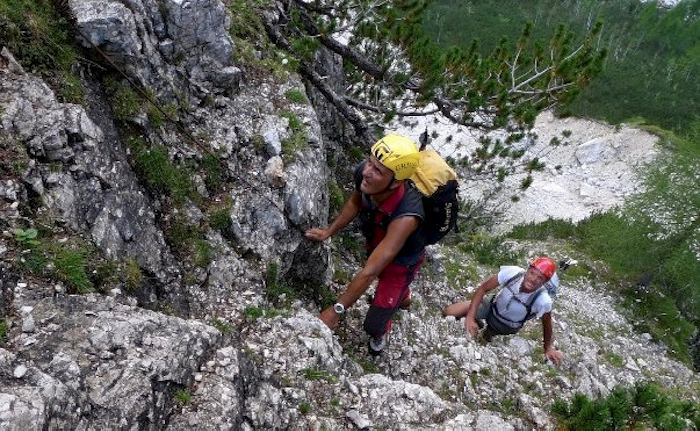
{"x":198,"y":312}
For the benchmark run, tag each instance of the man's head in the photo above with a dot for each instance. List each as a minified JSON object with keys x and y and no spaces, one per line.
{"x":393,"y":158}
{"x":540,"y":271}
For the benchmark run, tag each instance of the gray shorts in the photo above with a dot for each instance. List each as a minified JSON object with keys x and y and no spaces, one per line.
{"x":494,"y":326}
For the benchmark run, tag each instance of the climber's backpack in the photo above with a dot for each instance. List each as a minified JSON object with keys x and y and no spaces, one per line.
{"x":437,"y":182}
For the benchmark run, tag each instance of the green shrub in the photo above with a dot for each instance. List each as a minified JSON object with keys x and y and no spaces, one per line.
{"x":642,"y":407}
{"x":253,"y":313}
{"x":105,"y":272}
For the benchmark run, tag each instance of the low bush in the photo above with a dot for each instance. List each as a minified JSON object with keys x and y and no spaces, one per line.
{"x":645,"y":406}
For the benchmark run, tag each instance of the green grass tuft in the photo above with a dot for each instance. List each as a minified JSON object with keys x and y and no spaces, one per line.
{"x":70,"y":268}
{"x":162,"y":176}
{"x":489,"y":250}
{"x":222,"y":326}
{"x":295,"y":96}
{"x":298,"y":140}
{"x":132,"y":275}
{"x":183,"y":397}
{"x":3,"y":331}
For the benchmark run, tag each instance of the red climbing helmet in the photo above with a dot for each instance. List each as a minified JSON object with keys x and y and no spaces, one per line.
{"x":545,"y":265}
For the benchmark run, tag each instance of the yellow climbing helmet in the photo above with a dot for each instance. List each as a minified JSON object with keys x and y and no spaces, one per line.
{"x":398,"y":154}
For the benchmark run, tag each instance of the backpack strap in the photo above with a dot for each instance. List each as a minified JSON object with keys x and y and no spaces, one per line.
{"x":529,"y":314}
{"x":505,"y":285}
{"x":528,"y":305}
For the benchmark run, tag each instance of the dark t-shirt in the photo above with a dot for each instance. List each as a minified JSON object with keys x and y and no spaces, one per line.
{"x":406,"y":201}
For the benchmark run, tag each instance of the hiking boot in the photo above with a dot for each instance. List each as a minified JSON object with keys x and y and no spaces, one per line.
{"x":376,"y":345}
{"x":406,"y":303}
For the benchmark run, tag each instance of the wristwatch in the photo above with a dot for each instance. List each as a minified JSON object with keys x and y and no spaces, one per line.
{"x":339,"y":308}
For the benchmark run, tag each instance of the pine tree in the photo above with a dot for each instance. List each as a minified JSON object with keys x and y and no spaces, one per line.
{"x":395,"y":70}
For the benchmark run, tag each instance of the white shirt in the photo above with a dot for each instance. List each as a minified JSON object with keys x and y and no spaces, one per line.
{"x":513,"y":310}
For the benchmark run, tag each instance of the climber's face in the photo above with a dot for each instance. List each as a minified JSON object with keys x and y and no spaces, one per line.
{"x":376,"y":178}
{"x":533,"y":280}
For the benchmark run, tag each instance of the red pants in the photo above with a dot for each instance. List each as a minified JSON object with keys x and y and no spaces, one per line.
{"x":392,"y":289}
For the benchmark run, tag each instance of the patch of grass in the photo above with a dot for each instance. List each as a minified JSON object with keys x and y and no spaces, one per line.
{"x":220,"y":218}
{"x":276,"y":290}
{"x":203,"y":253}
{"x":614,"y":359}
{"x":304,"y":408}
{"x":318,"y":374}
{"x":659,"y":316}
{"x":70,"y":268}
{"x":3,"y":331}
{"x":351,"y":243}
{"x":181,"y":235}
{"x":459,"y":275}
{"x":643,"y":407}
{"x":13,"y":156}
{"x":560,"y":229}
{"x":132,"y":275}
{"x":105,"y":273}
{"x":158,"y":114}
{"x":367,"y":365}
{"x":489,"y":250}
{"x":223,"y":327}
{"x":71,"y":89}
{"x":336,"y":197}
{"x":295,"y":95}
{"x":162,"y":176}
{"x":126,"y":104}
{"x":183,"y":397}
{"x":254,"y":313}
{"x":39,"y":38}
{"x":341,"y":276}
{"x":213,"y":173}
{"x":298,"y":140}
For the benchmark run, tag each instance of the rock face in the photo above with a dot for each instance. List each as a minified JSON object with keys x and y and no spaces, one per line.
{"x":84,"y":179}
{"x":115,"y":363}
{"x":167,"y":45}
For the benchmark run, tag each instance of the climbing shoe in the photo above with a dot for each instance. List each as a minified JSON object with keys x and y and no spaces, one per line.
{"x":376,"y":345}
